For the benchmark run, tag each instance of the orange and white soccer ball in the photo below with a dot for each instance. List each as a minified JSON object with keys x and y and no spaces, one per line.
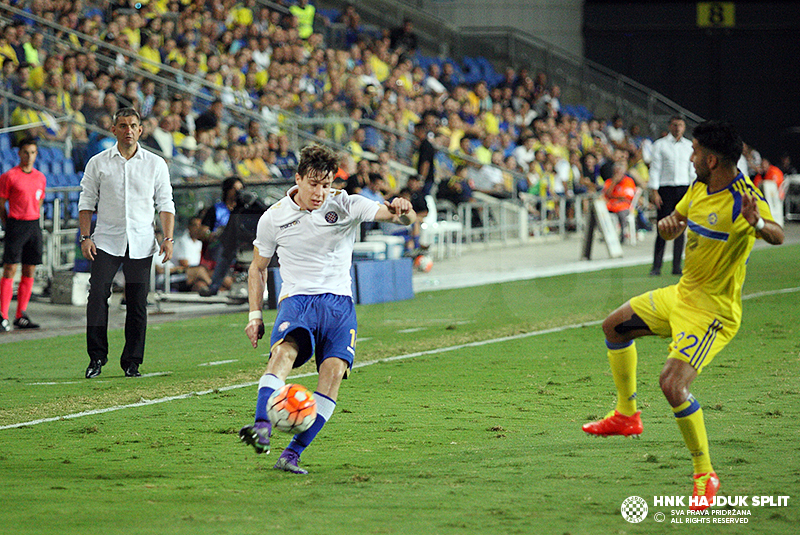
{"x":292,"y":408}
{"x":423,"y":263}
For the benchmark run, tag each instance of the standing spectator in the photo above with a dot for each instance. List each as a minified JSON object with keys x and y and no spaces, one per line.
{"x":304,"y":11}
{"x":619,"y":192}
{"x":403,"y":39}
{"x":23,"y":188}
{"x":125,"y":184}
{"x":671,"y":173}
{"x":426,"y":155}
{"x":787,"y":167}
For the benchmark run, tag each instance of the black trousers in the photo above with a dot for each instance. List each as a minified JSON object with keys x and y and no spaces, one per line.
{"x":670,"y":196}
{"x":137,"y":283}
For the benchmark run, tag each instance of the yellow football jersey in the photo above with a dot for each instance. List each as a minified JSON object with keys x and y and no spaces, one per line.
{"x":718,"y":243}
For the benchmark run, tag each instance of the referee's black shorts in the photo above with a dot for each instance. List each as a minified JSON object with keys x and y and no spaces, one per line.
{"x":23,"y":242}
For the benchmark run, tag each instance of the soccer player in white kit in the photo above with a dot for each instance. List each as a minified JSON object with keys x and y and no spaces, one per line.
{"x":312,"y":230}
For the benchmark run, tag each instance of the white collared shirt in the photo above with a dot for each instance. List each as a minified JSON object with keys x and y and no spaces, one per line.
{"x":672,"y":163}
{"x":126,"y":194}
{"x":315,"y":247}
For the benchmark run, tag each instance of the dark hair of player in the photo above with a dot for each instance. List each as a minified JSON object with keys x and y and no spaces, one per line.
{"x":721,"y":138}
{"x":27,"y":141}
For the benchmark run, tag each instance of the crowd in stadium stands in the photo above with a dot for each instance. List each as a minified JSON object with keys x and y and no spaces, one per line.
{"x":272,"y":63}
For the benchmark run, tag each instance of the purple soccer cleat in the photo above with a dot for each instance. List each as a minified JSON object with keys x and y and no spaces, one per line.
{"x":288,"y":462}
{"x":257,"y":435}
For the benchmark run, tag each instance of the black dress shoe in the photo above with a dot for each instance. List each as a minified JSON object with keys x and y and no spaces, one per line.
{"x":655,"y":272}
{"x":678,"y":272}
{"x":94,"y":369}
{"x":132,"y":371}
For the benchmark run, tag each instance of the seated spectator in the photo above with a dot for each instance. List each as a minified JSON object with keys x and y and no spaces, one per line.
{"x":360,"y":179}
{"x":218,"y":165}
{"x":285,"y":158}
{"x":239,"y":232}
{"x":184,"y":164}
{"x":100,"y":140}
{"x":767,"y":171}
{"x":457,"y":189}
{"x":619,"y":191}
{"x":374,"y":187}
{"x":25,"y":114}
{"x":187,"y":257}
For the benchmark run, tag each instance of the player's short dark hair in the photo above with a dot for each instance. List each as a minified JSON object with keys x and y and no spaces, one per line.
{"x":721,"y":138}
{"x":127,"y":112}
{"x":28,"y":140}
{"x":317,"y":160}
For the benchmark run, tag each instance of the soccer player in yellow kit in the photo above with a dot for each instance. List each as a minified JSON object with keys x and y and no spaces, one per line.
{"x":722,"y":214}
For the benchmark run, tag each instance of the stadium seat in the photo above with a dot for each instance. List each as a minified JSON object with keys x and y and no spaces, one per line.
{"x":5,"y":142}
{"x":45,"y":156}
{"x":49,"y":197}
{"x":45,"y":167}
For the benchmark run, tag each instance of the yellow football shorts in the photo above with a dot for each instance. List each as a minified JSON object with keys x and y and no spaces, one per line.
{"x":697,"y":334}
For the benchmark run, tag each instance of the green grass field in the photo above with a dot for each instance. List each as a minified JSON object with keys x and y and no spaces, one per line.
{"x":483,"y":438}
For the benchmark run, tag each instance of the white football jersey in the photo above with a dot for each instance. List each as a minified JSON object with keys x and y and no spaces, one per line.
{"x":315,"y":248}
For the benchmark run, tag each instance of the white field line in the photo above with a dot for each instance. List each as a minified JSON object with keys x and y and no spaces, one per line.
{"x":147,"y":402}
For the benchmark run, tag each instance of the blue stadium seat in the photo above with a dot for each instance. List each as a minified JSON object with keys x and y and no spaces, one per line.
{"x":5,"y":141}
{"x":45,"y":167}
{"x":68,"y":166}
{"x":72,"y":204}
{"x":331,"y":14}
{"x":45,"y":156}
{"x":57,"y":154}
{"x":472,"y":71}
{"x":53,"y":179}
{"x":49,"y":197}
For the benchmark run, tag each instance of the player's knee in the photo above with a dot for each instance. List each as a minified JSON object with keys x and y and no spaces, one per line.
{"x":675,"y":389}
{"x":284,"y":353}
{"x":610,"y":329}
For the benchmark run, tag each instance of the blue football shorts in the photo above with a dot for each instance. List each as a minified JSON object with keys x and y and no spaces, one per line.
{"x":323,"y":325}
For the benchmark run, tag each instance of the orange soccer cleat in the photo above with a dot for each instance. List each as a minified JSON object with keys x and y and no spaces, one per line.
{"x":616,"y":423}
{"x":706,"y":487}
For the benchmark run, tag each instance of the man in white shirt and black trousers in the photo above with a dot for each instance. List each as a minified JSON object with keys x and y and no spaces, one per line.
{"x":671,"y":174}
{"x":125,"y":184}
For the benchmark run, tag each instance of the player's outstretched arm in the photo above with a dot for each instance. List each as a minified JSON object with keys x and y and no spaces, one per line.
{"x":769,"y":230}
{"x":398,"y":211}
{"x":256,"y":282}
{"x":671,"y":226}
